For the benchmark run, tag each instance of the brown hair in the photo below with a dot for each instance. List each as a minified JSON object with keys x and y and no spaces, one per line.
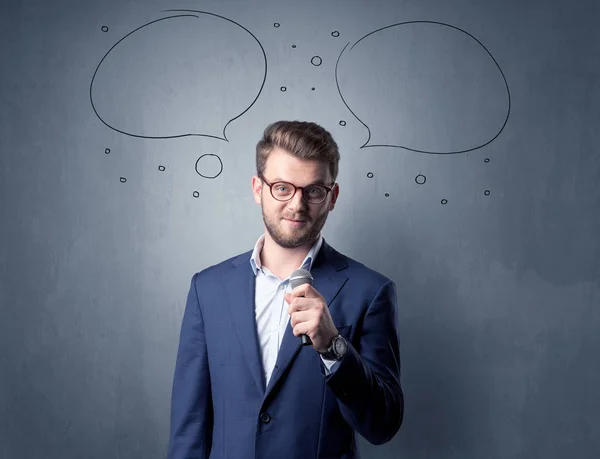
{"x":303,"y":139}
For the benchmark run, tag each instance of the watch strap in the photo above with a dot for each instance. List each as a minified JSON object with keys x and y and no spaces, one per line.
{"x":329,"y":354}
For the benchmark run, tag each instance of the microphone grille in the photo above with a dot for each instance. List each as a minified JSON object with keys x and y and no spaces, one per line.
{"x":299,"y":277}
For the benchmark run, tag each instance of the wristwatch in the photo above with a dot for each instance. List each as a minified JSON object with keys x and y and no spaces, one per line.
{"x":337,"y":350}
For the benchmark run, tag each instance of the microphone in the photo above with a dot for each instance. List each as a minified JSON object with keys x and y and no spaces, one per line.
{"x":297,"y":278}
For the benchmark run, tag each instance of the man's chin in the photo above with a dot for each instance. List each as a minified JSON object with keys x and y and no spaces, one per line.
{"x":294,"y":241}
{"x":290,"y":236}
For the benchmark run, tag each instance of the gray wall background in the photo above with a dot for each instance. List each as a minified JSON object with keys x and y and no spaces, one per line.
{"x":499,"y":298}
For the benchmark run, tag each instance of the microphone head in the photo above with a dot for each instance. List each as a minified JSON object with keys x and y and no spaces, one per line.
{"x":299,"y":277}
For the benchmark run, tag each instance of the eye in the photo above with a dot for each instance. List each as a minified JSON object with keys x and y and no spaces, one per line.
{"x":314,"y":190}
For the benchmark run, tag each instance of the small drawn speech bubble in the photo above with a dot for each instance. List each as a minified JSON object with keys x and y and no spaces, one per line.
{"x":187,"y":74}
{"x":424,"y":86}
{"x":209,"y":166}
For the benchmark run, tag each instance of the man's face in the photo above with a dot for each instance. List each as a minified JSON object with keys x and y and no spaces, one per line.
{"x":294,"y":223}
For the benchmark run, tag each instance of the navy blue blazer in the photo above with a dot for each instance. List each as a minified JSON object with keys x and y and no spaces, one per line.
{"x":220,"y":407}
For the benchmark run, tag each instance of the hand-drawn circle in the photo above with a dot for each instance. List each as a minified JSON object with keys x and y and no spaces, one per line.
{"x":486,"y":192}
{"x":342,"y":123}
{"x":104,"y":28}
{"x":196,"y":194}
{"x":185,"y":13}
{"x":212,"y":163}
{"x":283,"y":89}
{"x":420,"y":179}
{"x":486,"y":160}
{"x":107,"y":151}
{"x":463,"y":150}
{"x":316,"y":61}
{"x":444,"y":201}
{"x":276,"y":24}
{"x":123,"y":179}
{"x":161,"y":168}
{"x":370,"y":174}
{"x":335,"y":33}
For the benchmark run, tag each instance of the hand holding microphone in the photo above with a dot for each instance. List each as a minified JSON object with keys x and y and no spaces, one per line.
{"x":309,"y":315}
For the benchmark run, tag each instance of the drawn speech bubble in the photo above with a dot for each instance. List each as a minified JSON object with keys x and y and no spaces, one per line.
{"x":188,"y":74}
{"x":424,"y":86}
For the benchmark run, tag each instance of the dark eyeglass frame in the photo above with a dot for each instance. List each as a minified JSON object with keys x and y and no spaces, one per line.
{"x":296,"y":188}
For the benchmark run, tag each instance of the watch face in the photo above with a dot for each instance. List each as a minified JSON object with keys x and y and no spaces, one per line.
{"x":340,"y":346}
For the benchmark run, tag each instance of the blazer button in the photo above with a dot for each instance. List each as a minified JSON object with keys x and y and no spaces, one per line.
{"x":265,"y":418}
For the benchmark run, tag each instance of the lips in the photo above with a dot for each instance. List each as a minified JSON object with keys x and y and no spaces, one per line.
{"x":295,"y":220}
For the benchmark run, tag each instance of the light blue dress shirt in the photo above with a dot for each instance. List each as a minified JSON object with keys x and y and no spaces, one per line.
{"x":271,"y":309}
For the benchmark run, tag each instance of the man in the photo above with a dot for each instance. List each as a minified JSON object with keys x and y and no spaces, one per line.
{"x":245,"y":386}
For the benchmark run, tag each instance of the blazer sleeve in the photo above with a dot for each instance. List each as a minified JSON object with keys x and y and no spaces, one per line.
{"x":191,"y":420}
{"x":367,"y":381}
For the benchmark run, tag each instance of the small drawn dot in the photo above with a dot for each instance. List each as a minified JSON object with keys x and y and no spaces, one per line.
{"x":316,"y":61}
{"x":370,"y":174}
{"x":107,"y":151}
{"x":312,"y":89}
{"x":196,"y":194}
{"x":387,"y":195}
{"x":161,"y":168}
{"x":486,"y":160}
{"x":293,"y":46}
{"x":283,"y":89}
{"x":104,"y":28}
{"x":486,"y":192}
{"x":444,"y":201}
{"x":335,"y":33}
{"x":420,"y":179}
{"x":342,"y":123}
{"x":276,"y":24}
{"x":123,"y":179}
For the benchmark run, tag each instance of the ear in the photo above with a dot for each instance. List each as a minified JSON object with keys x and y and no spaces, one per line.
{"x":257,"y":189}
{"x":334,"y":195}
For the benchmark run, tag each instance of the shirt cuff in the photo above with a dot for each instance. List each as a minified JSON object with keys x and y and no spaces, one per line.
{"x":330,"y":365}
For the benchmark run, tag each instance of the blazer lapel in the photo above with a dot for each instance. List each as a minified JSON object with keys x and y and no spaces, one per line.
{"x":328,"y":279}
{"x":240,"y":289}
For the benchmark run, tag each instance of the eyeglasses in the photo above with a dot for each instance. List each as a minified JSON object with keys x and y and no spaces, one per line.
{"x":284,"y":191}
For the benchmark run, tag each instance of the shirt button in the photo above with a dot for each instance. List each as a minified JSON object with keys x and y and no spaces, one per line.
{"x":265,"y":418}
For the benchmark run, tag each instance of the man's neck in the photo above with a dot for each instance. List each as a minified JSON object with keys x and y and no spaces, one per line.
{"x":281,"y":261}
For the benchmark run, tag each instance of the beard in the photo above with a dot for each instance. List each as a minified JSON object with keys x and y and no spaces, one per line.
{"x":299,"y":236}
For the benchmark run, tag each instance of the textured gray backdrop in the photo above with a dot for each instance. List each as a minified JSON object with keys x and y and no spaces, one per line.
{"x":494,"y":250}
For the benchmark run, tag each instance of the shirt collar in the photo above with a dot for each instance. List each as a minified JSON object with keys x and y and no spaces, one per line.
{"x":306,"y":263}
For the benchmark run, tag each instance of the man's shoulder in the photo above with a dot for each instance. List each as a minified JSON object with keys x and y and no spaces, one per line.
{"x":366,"y":273}
{"x":357,"y":269}
{"x":224,"y":267}
{"x":364,"y":282}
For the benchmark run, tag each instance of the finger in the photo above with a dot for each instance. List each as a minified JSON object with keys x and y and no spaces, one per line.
{"x":297,"y":330}
{"x":300,"y":292}
{"x":303,"y":328}
{"x":304,"y":290}
{"x":301,"y":304}
{"x":300,"y":317}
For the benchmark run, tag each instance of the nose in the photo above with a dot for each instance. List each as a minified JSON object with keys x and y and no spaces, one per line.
{"x":297,"y":202}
